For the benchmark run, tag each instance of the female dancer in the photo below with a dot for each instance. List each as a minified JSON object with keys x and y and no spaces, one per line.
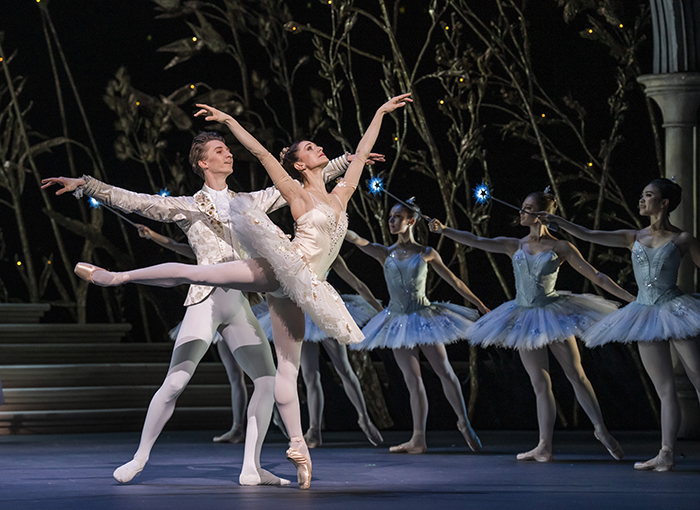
{"x":411,"y":323}
{"x":362,"y":306}
{"x":290,"y":271}
{"x":540,"y":318}
{"x":662,"y":316}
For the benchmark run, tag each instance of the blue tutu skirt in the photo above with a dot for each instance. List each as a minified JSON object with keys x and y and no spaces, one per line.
{"x":533,"y":327}
{"x":678,"y":318}
{"x":437,"y":323}
{"x":360,"y":310}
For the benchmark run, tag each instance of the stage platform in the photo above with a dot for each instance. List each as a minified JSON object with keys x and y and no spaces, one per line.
{"x":189,"y":472}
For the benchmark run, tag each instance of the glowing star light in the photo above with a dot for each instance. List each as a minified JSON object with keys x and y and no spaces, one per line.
{"x":94,"y":204}
{"x":376,"y":185}
{"x":164,"y":192}
{"x":482,"y":193}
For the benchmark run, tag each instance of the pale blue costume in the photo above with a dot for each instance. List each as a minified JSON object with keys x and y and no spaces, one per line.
{"x":539,"y":315}
{"x":411,"y":319}
{"x":661,"y":311}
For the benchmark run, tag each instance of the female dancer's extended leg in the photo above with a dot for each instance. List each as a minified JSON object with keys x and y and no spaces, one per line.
{"x":569,"y":358}
{"x":351,"y":384}
{"x":239,"y":396}
{"x":409,"y":363}
{"x":437,"y":357}
{"x":536,"y":363}
{"x":288,"y":326}
{"x":314,"y":392}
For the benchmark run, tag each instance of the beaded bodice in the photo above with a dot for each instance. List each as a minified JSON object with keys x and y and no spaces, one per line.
{"x":318,"y":234}
{"x":405,"y":279}
{"x":656,"y":272}
{"x":535,"y":277}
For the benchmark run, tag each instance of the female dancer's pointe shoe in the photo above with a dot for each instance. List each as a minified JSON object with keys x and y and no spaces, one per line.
{"x":408,"y":448}
{"x":470,"y":436}
{"x":87,"y":272}
{"x":612,"y":446}
{"x":234,"y":436}
{"x":128,"y":471}
{"x":301,"y":462}
{"x":662,"y":462}
{"x":313,"y":438}
{"x":539,"y":454}
{"x":372,"y":433}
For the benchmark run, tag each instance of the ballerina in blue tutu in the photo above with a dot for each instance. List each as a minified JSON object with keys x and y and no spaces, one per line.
{"x":411,"y":324}
{"x":662,"y":315}
{"x":540,"y":319}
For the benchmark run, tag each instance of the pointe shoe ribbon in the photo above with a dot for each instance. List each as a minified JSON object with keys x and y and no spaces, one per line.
{"x":303,"y":465}
{"x":661,"y":463}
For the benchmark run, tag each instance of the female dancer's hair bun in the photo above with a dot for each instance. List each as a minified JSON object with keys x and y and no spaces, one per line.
{"x":669,"y":189}
{"x":283,"y":153}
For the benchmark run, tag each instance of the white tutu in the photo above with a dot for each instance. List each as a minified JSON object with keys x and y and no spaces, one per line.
{"x":533,"y":327}
{"x":678,"y":318}
{"x":436,"y":323}
{"x":360,"y":310}
{"x":259,"y":236}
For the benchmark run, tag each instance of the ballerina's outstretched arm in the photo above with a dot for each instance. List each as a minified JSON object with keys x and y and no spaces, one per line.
{"x":507,"y":245}
{"x":623,"y":238}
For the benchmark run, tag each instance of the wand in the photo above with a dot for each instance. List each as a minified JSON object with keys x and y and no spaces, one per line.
{"x":376,"y":186}
{"x":482,"y":194}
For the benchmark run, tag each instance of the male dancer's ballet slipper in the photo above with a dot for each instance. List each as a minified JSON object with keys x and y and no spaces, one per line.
{"x":470,"y":436}
{"x":128,"y":471}
{"x":613,"y":448}
{"x":372,"y":433}
{"x":262,"y":477}
{"x":313,"y":438}
{"x":661,"y":463}
{"x":301,"y":462}
{"x":404,"y":448}
{"x":539,"y":454}
{"x":87,"y":272}
{"x":233,"y":436}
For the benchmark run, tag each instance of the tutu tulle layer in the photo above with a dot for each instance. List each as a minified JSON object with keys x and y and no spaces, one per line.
{"x":259,"y":236}
{"x":360,"y":310}
{"x":523,"y":327}
{"x":437,"y":323}
{"x":678,"y":318}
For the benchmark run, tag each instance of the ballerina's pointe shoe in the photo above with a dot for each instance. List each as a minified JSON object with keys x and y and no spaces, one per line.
{"x":539,"y":454}
{"x":313,"y":438}
{"x":128,"y":471}
{"x":92,"y":274}
{"x":234,"y":436}
{"x":372,"y":433}
{"x":470,"y":436}
{"x":662,"y":462}
{"x":262,"y":477}
{"x":612,"y":446}
{"x":408,"y":448}
{"x":301,"y":462}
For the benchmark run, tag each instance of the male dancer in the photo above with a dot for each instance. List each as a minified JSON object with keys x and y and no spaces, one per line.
{"x":204,"y":218}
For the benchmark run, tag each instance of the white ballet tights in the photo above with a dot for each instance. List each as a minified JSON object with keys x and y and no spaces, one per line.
{"x":536,"y":363}
{"x":312,"y":380}
{"x":409,"y":363}
{"x":656,"y":357}
{"x":230,"y":312}
{"x":239,"y":392}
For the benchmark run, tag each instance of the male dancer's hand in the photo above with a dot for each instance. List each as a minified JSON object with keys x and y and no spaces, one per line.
{"x":69,"y":184}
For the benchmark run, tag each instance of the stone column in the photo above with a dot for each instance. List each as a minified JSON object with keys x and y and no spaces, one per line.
{"x":678,"y":96}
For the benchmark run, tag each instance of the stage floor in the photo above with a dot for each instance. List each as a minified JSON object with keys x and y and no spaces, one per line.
{"x":188,"y":471}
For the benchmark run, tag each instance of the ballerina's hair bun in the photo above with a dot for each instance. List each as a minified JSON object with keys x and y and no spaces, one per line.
{"x":413,"y":210}
{"x":669,"y":190}
{"x":546,"y":201}
{"x":288,"y":156}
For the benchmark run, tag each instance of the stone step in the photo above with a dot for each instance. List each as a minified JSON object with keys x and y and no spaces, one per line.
{"x":62,"y":333}
{"x":22,"y":312}
{"x":111,"y":374}
{"x":110,"y":420}
{"x":109,"y":397}
{"x":61,"y":354}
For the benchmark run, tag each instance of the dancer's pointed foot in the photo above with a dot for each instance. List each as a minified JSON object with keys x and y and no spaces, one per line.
{"x":611,"y":445}
{"x":412,"y":447}
{"x":662,"y":462}
{"x":470,"y":436}
{"x":261,"y":477}
{"x":542,"y":453}
{"x":298,"y":455}
{"x":97,"y":275}
{"x":128,"y":471}
{"x":235,"y":435}
{"x":313,"y":438}
{"x":372,"y":433}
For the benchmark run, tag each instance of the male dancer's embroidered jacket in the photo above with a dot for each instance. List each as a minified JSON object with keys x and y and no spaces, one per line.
{"x":197,"y":216}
